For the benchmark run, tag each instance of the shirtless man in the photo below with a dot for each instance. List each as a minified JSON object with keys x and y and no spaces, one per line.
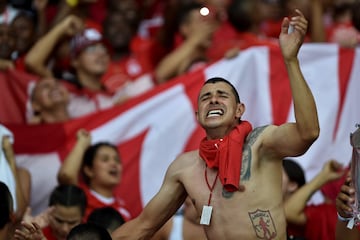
{"x":249,"y":206}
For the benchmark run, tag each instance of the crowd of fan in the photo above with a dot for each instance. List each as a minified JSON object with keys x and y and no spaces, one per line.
{"x":89,"y":55}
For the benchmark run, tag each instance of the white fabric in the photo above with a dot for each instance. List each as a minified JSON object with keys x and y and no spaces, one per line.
{"x":6,"y":175}
{"x":177,"y":228}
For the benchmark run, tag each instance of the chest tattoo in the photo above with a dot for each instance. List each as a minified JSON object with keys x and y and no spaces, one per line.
{"x":245,"y":173}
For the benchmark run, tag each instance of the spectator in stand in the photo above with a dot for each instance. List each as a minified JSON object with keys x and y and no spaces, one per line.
{"x":329,"y":20}
{"x":196,"y":30}
{"x":28,"y":27}
{"x":106,"y":217}
{"x":305,"y":221}
{"x":20,"y":30}
{"x":273,"y":11}
{"x":342,"y":29}
{"x":131,"y":56}
{"x":7,"y":46}
{"x":90,"y":60}
{"x":49,"y":102}
{"x":345,"y":201}
{"x":17,"y":179}
{"x":69,"y":204}
{"x":100,"y":167}
{"x":245,"y":17}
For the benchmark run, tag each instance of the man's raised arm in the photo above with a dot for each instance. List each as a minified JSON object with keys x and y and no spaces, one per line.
{"x":293,"y":139}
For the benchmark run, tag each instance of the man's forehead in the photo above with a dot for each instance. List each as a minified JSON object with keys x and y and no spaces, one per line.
{"x":216,"y":86}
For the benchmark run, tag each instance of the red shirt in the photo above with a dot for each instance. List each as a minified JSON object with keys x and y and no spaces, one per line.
{"x":142,"y":60}
{"x":48,"y":233}
{"x":94,"y":202}
{"x":320,"y":223}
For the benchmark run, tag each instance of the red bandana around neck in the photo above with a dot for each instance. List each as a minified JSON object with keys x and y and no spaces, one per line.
{"x":226,"y":155}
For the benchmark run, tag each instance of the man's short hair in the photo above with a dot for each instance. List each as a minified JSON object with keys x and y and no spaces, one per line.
{"x":68,"y":196}
{"x":219,"y":79}
{"x":294,"y":171}
{"x":106,"y":217}
{"x":86,"y":231}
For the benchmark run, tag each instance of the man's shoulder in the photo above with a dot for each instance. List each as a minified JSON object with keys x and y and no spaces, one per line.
{"x":189,"y":155}
{"x":258,"y":132}
{"x":187,"y":158}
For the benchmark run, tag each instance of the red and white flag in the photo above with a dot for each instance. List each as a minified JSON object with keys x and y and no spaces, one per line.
{"x":152,"y":129}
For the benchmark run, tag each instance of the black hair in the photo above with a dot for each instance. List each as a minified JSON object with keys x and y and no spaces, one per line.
{"x":27,"y":14}
{"x":185,"y":10}
{"x":294,"y":171}
{"x":219,"y":79}
{"x":356,"y":15}
{"x":106,"y":217}
{"x":240,"y":14}
{"x":89,"y":157}
{"x":6,"y":205}
{"x":68,"y":196}
{"x":88,"y":231}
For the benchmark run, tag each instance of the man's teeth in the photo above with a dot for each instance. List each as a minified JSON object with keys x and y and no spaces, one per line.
{"x":213,"y":113}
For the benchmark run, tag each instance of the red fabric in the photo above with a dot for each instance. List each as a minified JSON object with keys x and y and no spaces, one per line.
{"x":271,"y":28}
{"x":332,"y":29}
{"x":20,"y":63}
{"x":321,"y":222}
{"x":48,"y":233}
{"x":15,"y":86}
{"x":331,"y":189}
{"x":241,"y":41}
{"x":226,"y":155}
{"x":93,"y":203}
{"x":123,"y":71}
{"x":144,"y":55}
{"x":97,"y":10}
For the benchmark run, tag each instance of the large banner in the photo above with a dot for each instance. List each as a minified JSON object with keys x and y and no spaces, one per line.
{"x":154,"y":128}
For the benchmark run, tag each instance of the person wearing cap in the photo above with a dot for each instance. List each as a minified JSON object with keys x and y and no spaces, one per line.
{"x":89,"y":58}
{"x":88,"y":67}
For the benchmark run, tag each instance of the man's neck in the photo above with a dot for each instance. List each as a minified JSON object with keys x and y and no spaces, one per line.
{"x":58,"y":115}
{"x":103,"y":191}
{"x":219,"y":132}
{"x":4,"y":232}
{"x":90,"y":82}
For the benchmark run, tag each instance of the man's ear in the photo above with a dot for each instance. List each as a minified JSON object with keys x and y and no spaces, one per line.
{"x":35,"y":107}
{"x":74,"y":63}
{"x":292,"y":187}
{"x":197,"y":115}
{"x":184,"y":30}
{"x":88,"y":172}
{"x":12,"y":217}
{"x":240,"y":110}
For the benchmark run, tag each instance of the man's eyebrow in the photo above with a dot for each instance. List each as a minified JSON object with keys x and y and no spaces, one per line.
{"x":204,"y":95}
{"x":222,"y":92}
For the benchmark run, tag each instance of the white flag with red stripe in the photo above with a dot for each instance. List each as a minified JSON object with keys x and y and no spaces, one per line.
{"x":152,"y":129}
